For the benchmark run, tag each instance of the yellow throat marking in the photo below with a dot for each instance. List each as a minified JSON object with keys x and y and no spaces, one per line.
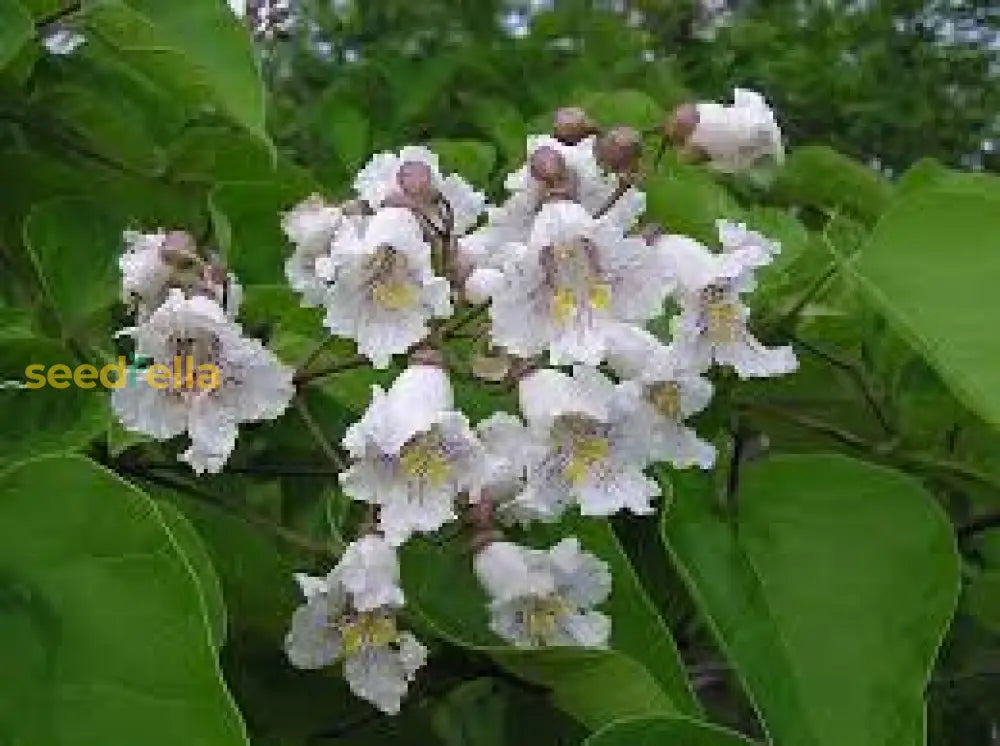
{"x":588,"y":451}
{"x":368,"y":630}
{"x":423,"y":459}
{"x":394,"y":296}
{"x":723,"y":319}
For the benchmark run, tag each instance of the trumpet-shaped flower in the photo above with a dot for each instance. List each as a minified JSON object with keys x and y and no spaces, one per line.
{"x":312,"y":226}
{"x":712,"y":325}
{"x":737,"y":136}
{"x":244,"y":382}
{"x":350,"y":615}
{"x":383,"y":289}
{"x":589,"y":445}
{"x":567,"y":288}
{"x":414,"y":454}
{"x":545,"y":597}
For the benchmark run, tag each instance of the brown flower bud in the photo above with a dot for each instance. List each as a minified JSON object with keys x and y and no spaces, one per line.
{"x":548,"y":166}
{"x":179,"y":250}
{"x":618,"y":150}
{"x":572,"y":124}
{"x":417,"y":182}
{"x":681,"y":123}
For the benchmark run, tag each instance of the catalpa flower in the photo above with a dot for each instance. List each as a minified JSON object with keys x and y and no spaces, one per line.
{"x":350,"y":615}
{"x":588,"y":445}
{"x":383,"y":289}
{"x":387,"y":174}
{"x":224,"y":379}
{"x":567,"y":288}
{"x":738,"y":136}
{"x":145,"y":273}
{"x":413,"y":454}
{"x":670,"y":394}
{"x":554,"y":171}
{"x":545,"y":597}
{"x":712,"y":325}
{"x":312,"y":226}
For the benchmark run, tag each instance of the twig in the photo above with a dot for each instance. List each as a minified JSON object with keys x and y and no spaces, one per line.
{"x":56,"y":16}
{"x":304,"y":377}
{"x":317,"y":432}
{"x":843,"y":436}
{"x":180,"y":485}
{"x":857,"y":374}
{"x":455,"y":323}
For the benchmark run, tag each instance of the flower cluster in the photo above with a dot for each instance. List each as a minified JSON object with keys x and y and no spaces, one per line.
{"x":560,"y":282}
{"x":185,"y":309}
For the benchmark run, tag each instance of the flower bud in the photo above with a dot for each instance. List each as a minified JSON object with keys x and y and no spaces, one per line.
{"x":572,"y":124}
{"x":681,"y":123}
{"x":179,"y":250}
{"x":548,"y":166}
{"x":416,"y":181}
{"x":618,"y":150}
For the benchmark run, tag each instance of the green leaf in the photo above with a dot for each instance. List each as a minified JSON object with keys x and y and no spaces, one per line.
{"x":472,"y":159}
{"x":633,"y":108}
{"x":687,"y":200}
{"x":16,"y":28}
{"x":347,"y":133}
{"x":640,"y":676}
{"x":830,"y":593}
{"x":206,"y":33}
{"x":247,"y":219}
{"x":74,"y":246}
{"x":982,"y":599}
{"x":822,"y":178}
{"x":198,"y":557}
{"x":111,"y":125}
{"x":98,"y":591}
{"x":44,"y":420}
{"x":931,"y":265}
{"x":207,"y":154}
{"x":661,"y":731}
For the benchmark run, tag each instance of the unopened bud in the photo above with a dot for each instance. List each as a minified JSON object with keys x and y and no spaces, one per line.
{"x":548,"y":166}
{"x":681,"y":123}
{"x":572,"y":124}
{"x":618,"y":150}
{"x":179,"y":250}
{"x":417,"y":182}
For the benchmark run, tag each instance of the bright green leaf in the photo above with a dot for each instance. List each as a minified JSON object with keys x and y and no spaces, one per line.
{"x":74,"y":245}
{"x":472,"y":159}
{"x":661,"y":731}
{"x":633,"y":108}
{"x":97,"y":588}
{"x":932,"y":266}
{"x":830,"y":594}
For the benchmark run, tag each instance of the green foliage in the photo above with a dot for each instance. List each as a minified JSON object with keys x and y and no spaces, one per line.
{"x":813,"y":575}
{"x":143,"y":654}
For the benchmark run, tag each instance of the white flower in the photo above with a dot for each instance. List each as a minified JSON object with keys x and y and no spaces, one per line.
{"x":312,"y":227}
{"x":145,"y":274}
{"x":351,"y":615}
{"x":217,"y":379}
{"x":413,"y":454}
{"x":712,"y":325}
{"x":541,"y":598}
{"x":513,"y":220}
{"x":589,"y":446}
{"x":735,"y":137}
{"x":569,"y":285}
{"x":383,"y":288}
{"x":670,"y":394}
{"x":380,"y":179}
{"x":507,"y":450}
{"x":62,"y":41}
{"x":239,"y":7}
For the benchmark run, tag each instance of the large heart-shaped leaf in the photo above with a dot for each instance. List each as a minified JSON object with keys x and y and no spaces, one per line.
{"x":74,"y":246}
{"x":829,"y":593}
{"x":205,"y":33}
{"x":662,"y":731}
{"x":642,"y":675}
{"x":104,"y":614}
{"x":933,"y":265}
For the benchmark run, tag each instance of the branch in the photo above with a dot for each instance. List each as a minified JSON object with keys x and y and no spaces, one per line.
{"x":317,"y":432}
{"x":302,"y":378}
{"x":287,"y":535}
